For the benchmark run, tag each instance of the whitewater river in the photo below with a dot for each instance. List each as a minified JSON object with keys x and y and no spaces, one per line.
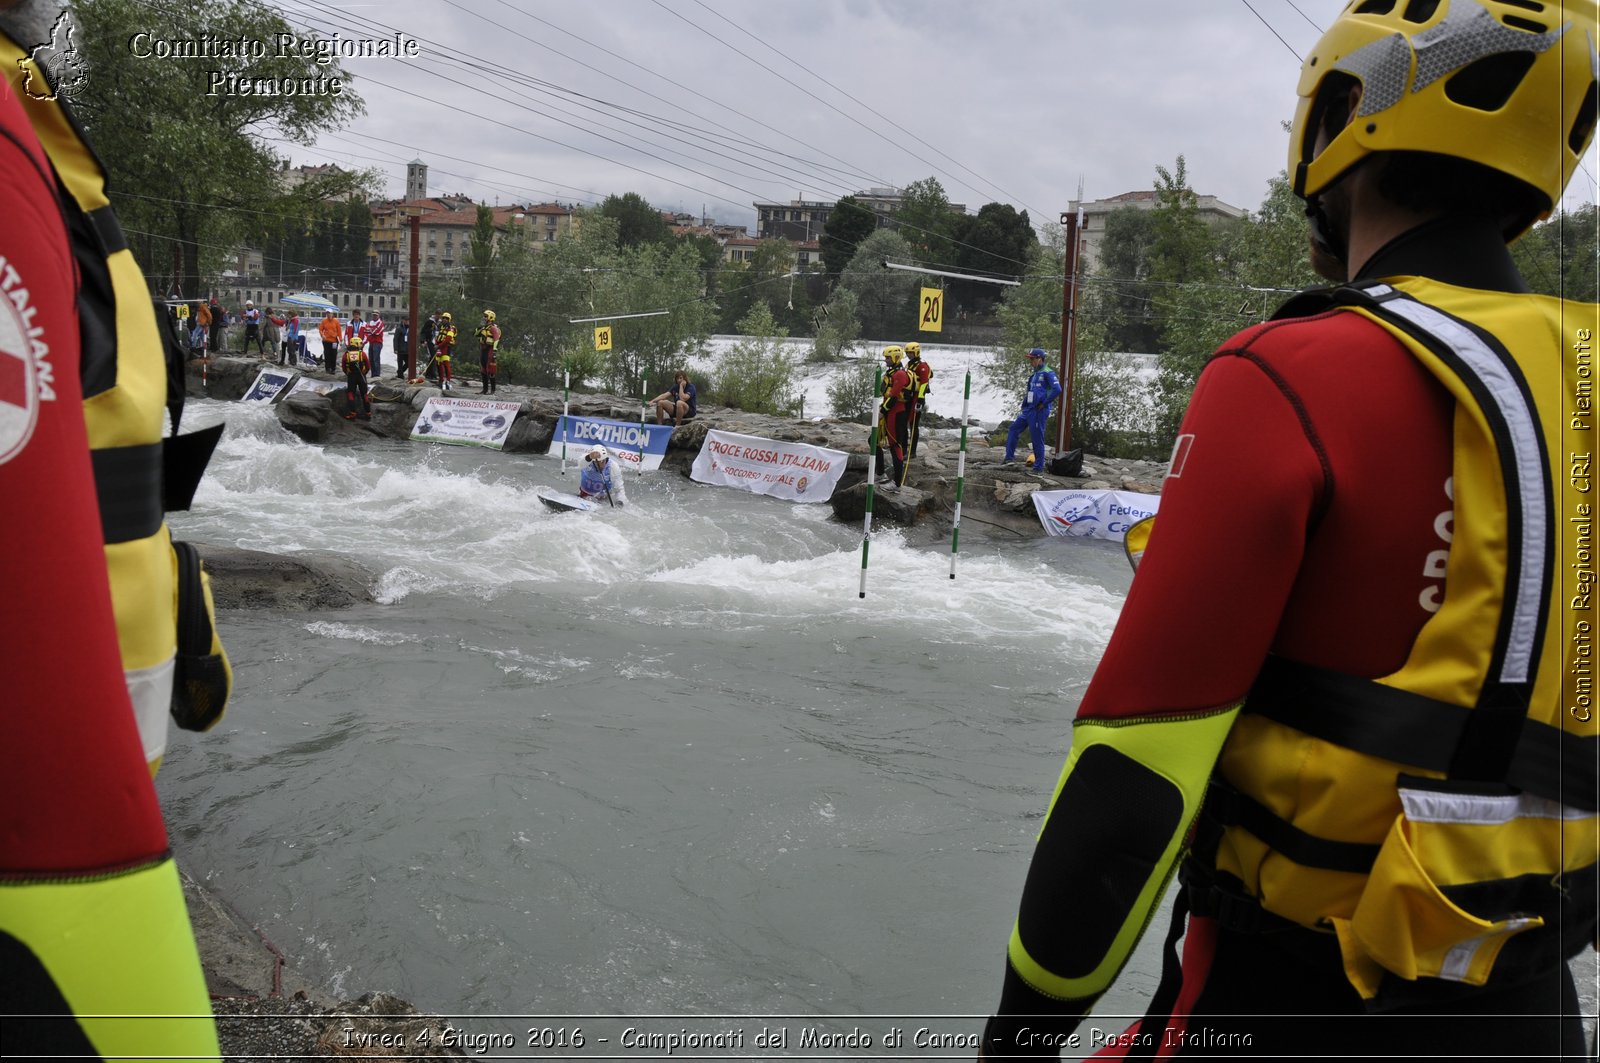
{"x":659,"y":761}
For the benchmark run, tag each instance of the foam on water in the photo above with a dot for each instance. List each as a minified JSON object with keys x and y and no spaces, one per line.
{"x":428,"y":519}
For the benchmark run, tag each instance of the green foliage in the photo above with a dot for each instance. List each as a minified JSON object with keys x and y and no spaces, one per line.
{"x":536,"y":291}
{"x":768,"y":279}
{"x":1029,"y":316}
{"x":638,"y":223}
{"x":852,"y":393}
{"x":317,"y":243}
{"x":848,"y":224}
{"x":194,"y":168}
{"x":481,"y":256}
{"x":928,"y":222}
{"x":754,"y":374}
{"x":840,"y":327}
{"x":1560,"y":257}
{"x":998,"y":240}
{"x":1118,"y":295}
{"x":886,"y":299}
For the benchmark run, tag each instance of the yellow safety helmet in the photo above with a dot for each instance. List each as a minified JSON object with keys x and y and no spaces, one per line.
{"x":445,"y":316}
{"x":914,"y":351}
{"x":1507,"y":84}
{"x":892,"y":355}
{"x":354,"y":344}
{"x":488,"y":315}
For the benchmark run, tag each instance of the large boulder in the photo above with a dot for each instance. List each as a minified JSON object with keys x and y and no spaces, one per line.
{"x":253,"y":579}
{"x":904,"y":507}
{"x":309,"y":416}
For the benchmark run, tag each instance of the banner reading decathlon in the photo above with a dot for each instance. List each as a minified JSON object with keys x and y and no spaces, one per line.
{"x":621,"y":438}
{"x":270,"y":385}
{"x":466,"y":422}
{"x":796,"y":471}
{"x":1095,"y":514}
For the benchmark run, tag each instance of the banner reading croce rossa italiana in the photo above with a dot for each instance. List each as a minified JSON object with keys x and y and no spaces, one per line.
{"x":798,"y":472}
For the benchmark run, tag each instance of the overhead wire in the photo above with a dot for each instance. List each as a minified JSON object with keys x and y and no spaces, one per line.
{"x":657,"y":119}
{"x":860,"y":103}
{"x":314,"y":17}
{"x":814,"y":96}
{"x":694,"y":92}
{"x":1274,"y":32}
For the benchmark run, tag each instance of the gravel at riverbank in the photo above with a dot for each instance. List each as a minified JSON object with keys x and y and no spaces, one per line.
{"x":264,"y":1010}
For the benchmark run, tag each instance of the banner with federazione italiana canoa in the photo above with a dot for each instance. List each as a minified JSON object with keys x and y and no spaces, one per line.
{"x":1094,"y":514}
{"x":798,"y":472}
{"x":466,"y":422}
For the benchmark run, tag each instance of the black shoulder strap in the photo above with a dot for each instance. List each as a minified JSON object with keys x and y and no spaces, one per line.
{"x":1491,"y":733}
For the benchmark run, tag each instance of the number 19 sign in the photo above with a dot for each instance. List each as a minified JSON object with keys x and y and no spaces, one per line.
{"x":931,"y":319}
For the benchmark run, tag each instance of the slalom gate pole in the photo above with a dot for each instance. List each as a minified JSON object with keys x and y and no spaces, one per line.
{"x":961,"y":474}
{"x":872,"y":477}
{"x":644,"y":404}
{"x":566,"y":411}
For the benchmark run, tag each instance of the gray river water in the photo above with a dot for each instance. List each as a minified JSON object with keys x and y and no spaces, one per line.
{"x":655,"y":761}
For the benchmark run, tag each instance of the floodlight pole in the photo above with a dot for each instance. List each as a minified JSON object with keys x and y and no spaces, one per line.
{"x":416,"y":297}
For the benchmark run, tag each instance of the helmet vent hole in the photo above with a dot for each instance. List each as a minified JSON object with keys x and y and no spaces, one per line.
{"x":1487,"y":84}
{"x":1420,"y":10}
{"x":1583,"y":126}
{"x":1375,"y":7}
{"x":1520,"y":23}
{"x":1526,"y":5}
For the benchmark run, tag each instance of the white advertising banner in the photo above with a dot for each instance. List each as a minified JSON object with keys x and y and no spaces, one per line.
{"x":1093,"y":514}
{"x":270,"y":385}
{"x":311,"y":383}
{"x":798,"y":472}
{"x":466,"y":422}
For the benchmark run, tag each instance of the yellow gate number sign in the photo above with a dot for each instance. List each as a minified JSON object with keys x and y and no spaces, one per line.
{"x":932,"y":316}
{"x":183,"y":310}
{"x":602,"y":338}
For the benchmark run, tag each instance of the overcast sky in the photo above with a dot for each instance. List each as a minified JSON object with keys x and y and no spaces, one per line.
{"x":1010,"y":100}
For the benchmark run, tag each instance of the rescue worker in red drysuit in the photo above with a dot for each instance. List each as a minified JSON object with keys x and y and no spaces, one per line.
{"x":92,"y":916}
{"x":1369,"y":869}
{"x":488,"y":352}
{"x":444,"y":342}
{"x":355,"y":380}
{"x":921,"y":376}
{"x":896,"y":412}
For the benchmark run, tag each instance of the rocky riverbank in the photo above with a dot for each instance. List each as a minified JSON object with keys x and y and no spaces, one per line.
{"x":265,"y":1010}
{"x":995,"y":496}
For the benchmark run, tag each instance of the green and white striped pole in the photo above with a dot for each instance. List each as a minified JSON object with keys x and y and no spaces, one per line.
{"x":644,"y":404}
{"x":566,"y":410}
{"x":872,"y":476}
{"x":961,"y":474}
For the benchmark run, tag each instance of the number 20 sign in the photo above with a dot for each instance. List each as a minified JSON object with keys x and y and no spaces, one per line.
{"x":931,"y":317}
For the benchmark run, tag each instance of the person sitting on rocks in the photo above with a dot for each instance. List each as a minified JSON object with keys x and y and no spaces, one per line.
{"x":678,"y":402}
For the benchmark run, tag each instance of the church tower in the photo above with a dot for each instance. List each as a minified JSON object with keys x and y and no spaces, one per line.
{"x":416,"y":179}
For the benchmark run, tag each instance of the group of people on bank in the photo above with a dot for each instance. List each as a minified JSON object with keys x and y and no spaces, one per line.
{"x":363,"y":350}
{"x":903,"y":401}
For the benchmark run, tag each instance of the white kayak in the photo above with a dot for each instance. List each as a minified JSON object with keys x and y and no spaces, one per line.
{"x":562,"y":502}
